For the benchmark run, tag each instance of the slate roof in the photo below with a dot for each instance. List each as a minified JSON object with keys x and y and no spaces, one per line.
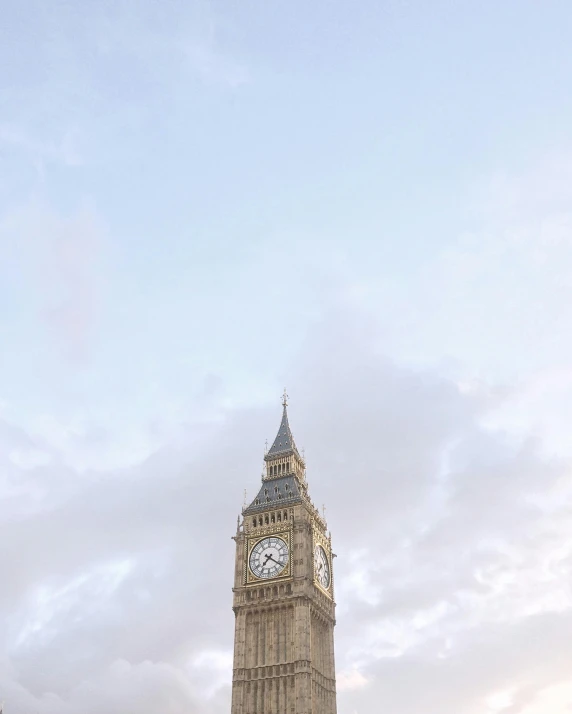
{"x":284,"y":441}
{"x":282,"y":491}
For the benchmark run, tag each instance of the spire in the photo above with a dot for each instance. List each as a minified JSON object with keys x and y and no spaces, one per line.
{"x":284,"y":483}
{"x":284,"y":441}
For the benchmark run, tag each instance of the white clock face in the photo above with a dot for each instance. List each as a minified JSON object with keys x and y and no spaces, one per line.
{"x":322,"y":567}
{"x":269,"y":557}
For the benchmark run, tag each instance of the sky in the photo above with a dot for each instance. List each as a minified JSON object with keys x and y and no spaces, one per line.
{"x":369,"y":204}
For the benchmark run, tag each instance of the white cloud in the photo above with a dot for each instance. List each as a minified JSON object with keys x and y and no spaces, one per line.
{"x":350,"y":679}
{"x":29,"y":459}
{"x":467,"y":593}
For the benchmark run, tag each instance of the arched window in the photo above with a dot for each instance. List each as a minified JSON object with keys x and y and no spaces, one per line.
{"x":254,"y":522}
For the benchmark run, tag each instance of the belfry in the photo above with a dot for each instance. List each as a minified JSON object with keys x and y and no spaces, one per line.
{"x":283,"y":594}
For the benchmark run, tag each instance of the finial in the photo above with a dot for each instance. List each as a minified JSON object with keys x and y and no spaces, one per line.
{"x":243,"y":505}
{"x":285,"y":398}
{"x":324,"y":511}
{"x":265,"y":452}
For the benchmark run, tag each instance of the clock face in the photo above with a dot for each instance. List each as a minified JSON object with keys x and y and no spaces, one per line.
{"x":269,"y":557}
{"x":322,"y":567}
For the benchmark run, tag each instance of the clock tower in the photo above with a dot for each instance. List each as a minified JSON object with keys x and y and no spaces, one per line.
{"x":283,"y":594}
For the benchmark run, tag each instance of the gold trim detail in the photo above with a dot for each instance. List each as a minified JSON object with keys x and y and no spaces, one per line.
{"x":249,"y":543}
{"x":321,"y":540}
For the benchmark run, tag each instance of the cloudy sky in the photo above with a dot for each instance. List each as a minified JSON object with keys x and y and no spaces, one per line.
{"x":367,"y":202}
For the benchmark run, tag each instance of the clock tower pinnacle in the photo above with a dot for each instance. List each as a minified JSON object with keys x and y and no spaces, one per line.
{"x":283,"y":593}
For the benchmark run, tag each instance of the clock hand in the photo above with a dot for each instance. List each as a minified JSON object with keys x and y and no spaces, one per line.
{"x":269,"y":557}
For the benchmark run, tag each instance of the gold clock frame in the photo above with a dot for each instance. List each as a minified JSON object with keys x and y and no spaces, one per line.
{"x":252,"y":541}
{"x":321,"y":540}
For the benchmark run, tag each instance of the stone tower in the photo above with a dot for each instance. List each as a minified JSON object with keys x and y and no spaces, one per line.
{"x":283,"y":594}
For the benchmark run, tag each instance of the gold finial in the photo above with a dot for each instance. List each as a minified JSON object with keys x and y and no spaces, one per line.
{"x":285,"y":398}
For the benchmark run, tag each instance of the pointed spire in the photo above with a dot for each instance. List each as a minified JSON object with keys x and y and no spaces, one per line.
{"x":285,"y":468}
{"x":284,"y":441}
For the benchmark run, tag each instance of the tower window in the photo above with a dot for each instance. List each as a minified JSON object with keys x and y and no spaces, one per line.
{"x":254,"y":522}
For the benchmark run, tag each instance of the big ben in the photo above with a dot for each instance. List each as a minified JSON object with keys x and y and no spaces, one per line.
{"x":283,"y":594}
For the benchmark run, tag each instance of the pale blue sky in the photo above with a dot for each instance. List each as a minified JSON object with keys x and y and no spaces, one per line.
{"x":237,"y":160}
{"x":197,"y":199}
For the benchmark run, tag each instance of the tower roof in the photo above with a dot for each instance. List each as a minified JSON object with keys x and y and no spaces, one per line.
{"x":284,"y":491}
{"x":284,"y":441}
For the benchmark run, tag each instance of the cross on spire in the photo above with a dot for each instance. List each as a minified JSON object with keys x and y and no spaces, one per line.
{"x":285,"y":398}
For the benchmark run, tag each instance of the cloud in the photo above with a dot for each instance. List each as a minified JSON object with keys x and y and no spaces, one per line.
{"x":58,"y":259}
{"x":452,"y":571}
